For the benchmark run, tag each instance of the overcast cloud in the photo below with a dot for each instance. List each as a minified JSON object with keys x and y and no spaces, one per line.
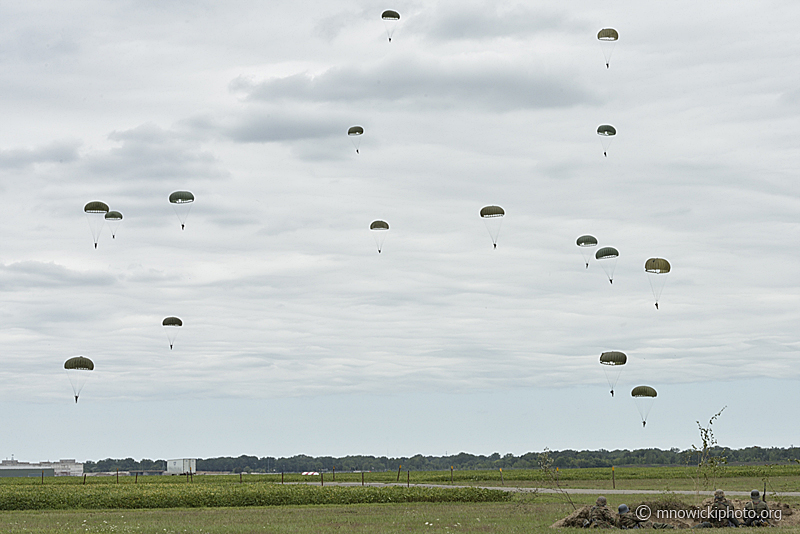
{"x":290,"y":314}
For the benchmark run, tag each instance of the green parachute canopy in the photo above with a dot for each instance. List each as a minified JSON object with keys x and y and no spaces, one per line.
{"x":390,"y":15}
{"x":355,"y":130}
{"x":379,"y":225}
{"x":79,"y":363}
{"x":606,"y":130}
{"x":171,"y":321}
{"x":113,"y":216}
{"x":657,"y":266}
{"x":643,"y":391}
{"x":613,"y":357}
{"x":606,"y":252}
{"x":492,"y":211}
{"x":181,"y":197}
{"x":607,"y":34}
{"x":96,"y":207}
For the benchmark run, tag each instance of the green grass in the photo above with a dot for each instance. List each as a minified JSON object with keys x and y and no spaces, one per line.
{"x":526,"y":514}
{"x":221,"y":504}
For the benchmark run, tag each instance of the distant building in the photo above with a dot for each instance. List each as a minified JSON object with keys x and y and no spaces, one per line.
{"x":181,"y":466}
{"x":65,"y":467}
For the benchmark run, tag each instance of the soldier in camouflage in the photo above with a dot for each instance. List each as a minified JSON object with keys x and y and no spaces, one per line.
{"x":756,"y":512}
{"x":600,"y":516}
{"x":721,"y":513}
{"x":627,"y":520}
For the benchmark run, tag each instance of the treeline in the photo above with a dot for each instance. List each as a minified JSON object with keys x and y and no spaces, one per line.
{"x":562,"y":459}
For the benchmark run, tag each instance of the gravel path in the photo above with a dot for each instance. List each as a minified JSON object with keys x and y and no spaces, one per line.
{"x":572,"y":491}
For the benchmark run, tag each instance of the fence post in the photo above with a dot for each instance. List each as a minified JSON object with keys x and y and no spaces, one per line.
{"x":451,"y":474}
{"x":362,"y":478}
{"x":84,"y":479}
{"x":321,"y":478}
{"x":408,"y":484}
{"x":117,"y":475}
{"x":136,"y":478}
{"x":501,"y":477}
{"x":42,"y":476}
{"x":398,"y":472}
{"x":334,"y":473}
{"x":613,"y":481}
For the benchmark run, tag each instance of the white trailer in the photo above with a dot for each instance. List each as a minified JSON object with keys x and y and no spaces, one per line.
{"x":181,"y":466}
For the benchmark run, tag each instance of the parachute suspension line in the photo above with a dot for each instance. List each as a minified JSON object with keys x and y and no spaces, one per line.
{"x":611,"y":377}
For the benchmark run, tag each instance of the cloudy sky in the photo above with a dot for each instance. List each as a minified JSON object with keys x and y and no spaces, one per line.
{"x":298,"y":336}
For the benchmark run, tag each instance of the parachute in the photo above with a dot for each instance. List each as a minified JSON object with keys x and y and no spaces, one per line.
{"x":657,"y":270}
{"x":95,"y":213}
{"x":606,"y":133}
{"x":113,"y":218}
{"x":171,"y":326}
{"x":612,"y":362}
{"x":608,"y":39}
{"x":585,"y":242}
{"x":77,"y":371}
{"x":644,"y":396}
{"x":182,"y":204}
{"x":379,"y":230}
{"x":355,"y":133}
{"x":607,"y":256}
{"x":390,"y":18}
{"x":493,"y":217}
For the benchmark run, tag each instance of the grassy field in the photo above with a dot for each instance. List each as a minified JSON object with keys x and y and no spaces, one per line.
{"x":522,"y":514}
{"x":259,"y":503}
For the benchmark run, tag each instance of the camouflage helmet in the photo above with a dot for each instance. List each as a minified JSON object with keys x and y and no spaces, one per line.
{"x":623,"y":509}
{"x":601,"y":501}
{"x":755,"y":495}
{"x":719,"y":495}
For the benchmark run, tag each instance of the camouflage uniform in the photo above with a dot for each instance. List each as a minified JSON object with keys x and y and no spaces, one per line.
{"x":629,"y":520}
{"x":721,"y":513}
{"x":756,"y":512}
{"x":600,"y":516}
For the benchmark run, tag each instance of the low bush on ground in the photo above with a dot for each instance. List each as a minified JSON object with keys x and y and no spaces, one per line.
{"x":127,"y":496}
